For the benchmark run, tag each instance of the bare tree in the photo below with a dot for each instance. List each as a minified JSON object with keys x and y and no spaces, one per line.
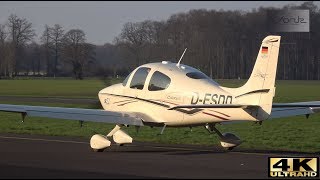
{"x":21,"y":32}
{"x":45,"y":39}
{"x":3,"y":36}
{"x":56,"y":37}
{"x":33,"y":60}
{"x":135,"y":39}
{"x":76,"y":51}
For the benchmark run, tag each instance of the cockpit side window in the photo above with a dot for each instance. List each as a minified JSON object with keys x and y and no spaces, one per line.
{"x":124,"y":83}
{"x":139,"y":78}
{"x":197,"y":75}
{"x":159,"y":81}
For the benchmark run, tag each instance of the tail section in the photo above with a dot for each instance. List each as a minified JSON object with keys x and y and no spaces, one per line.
{"x":260,"y":87}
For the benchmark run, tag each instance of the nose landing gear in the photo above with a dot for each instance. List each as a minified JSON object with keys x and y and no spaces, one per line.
{"x":100,"y":142}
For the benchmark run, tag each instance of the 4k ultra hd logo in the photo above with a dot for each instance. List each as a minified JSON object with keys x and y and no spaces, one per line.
{"x":294,"y":167}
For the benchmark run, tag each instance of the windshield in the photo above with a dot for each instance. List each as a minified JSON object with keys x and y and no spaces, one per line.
{"x":139,"y":78}
{"x":124,"y":83}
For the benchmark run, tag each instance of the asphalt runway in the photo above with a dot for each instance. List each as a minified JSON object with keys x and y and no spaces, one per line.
{"x":35,"y":156}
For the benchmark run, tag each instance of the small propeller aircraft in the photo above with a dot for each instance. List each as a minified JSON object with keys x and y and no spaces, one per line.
{"x":167,"y":94}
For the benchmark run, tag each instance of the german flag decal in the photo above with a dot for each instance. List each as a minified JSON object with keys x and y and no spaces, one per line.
{"x":264,"y":50}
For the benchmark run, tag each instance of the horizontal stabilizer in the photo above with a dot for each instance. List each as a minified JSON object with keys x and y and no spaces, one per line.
{"x":299,"y":104}
{"x":294,"y":109}
{"x":289,"y":112}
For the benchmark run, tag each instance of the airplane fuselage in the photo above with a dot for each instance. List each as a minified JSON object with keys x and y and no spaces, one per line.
{"x":153,"y":104}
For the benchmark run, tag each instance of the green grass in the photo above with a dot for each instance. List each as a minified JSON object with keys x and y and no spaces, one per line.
{"x":286,"y":91}
{"x":293,"y":134}
{"x":54,"y":88}
{"x":293,"y":91}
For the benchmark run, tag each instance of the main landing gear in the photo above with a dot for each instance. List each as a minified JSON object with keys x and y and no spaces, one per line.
{"x":99,"y":142}
{"x":227,"y":140}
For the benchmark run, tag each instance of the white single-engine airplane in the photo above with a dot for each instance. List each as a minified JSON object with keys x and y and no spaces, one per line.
{"x":175,"y":95}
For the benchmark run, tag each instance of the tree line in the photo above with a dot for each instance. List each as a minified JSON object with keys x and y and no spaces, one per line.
{"x":60,"y":52}
{"x":222,"y":44}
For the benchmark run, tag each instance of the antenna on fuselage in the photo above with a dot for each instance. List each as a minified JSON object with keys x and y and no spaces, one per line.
{"x":181,"y":57}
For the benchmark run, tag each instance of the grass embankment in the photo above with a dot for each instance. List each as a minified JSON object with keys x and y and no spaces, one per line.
{"x":294,"y":133}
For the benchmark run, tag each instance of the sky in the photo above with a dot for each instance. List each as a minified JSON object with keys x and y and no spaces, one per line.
{"x":102,"y":21}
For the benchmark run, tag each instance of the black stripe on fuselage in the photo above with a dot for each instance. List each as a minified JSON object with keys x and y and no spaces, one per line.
{"x":123,"y":101}
{"x":256,"y":91}
{"x":136,"y":98}
{"x":193,"y":111}
{"x":127,"y":103}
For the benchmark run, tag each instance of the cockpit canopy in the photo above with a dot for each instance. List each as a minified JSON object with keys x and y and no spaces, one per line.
{"x":160,"y":79}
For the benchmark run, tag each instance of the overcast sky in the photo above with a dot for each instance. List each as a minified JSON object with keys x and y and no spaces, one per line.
{"x":102,"y":21}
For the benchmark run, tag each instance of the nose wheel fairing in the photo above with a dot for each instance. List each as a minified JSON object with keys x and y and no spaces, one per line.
{"x":227,"y":140}
{"x":100,"y":142}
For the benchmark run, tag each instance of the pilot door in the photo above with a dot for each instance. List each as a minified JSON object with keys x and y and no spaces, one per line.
{"x":158,"y":92}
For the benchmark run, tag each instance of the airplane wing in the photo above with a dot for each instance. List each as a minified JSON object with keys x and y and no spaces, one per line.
{"x":294,"y":109}
{"x":94,"y":115}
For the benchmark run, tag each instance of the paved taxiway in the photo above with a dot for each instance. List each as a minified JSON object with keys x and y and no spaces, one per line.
{"x":34,"y":156}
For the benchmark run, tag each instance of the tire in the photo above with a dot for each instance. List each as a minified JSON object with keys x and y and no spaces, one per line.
{"x":98,"y":150}
{"x":229,"y":148}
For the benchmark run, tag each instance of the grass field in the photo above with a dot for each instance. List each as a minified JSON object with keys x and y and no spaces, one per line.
{"x":287,"y":91}
{"x":54,"y":88}
{"x":293,"y":134}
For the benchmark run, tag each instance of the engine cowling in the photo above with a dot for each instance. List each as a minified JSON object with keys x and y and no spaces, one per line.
{"x":121,"y":137}
{"x":99,"y":141}
{"x":229,"y":140}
